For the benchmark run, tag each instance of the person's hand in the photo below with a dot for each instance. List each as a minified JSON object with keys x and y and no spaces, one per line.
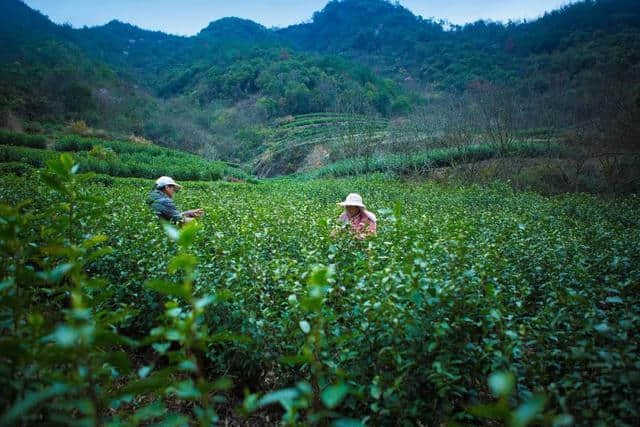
{"x":195,"y":213}
{"x":335,"y":232}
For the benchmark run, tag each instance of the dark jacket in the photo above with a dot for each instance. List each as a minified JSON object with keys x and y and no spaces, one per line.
{"x":163,"y":206}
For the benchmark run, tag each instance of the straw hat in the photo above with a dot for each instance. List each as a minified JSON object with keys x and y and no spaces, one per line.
{"x":353,"y":199}
{"x":167,"y":180}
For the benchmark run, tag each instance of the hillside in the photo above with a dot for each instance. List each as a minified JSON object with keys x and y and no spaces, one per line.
{"x":391,"y":37}
{"x":222,"y":92}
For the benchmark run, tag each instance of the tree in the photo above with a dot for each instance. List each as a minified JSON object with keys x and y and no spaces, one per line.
{"x":497,"y":109}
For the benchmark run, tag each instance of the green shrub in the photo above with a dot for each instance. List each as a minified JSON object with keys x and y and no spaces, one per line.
{"x":124,"y":158}
{"x":214,"y":173}
{"x":101,"y":179}
{"x":102,"y":153}
{"x":22,"y":139}
{"x":423,"y":163}
{"x":73,"y":144}
{"x":63,"y":347}
{"x":103,"y":160}
{"x":16,"y":168}
{"x":33,"y":156}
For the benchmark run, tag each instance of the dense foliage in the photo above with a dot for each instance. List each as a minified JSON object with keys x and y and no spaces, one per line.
{"x":288,"y":83}
{"x":401,"y":328}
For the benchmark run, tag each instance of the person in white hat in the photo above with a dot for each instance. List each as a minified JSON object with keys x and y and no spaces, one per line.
{"x":161,"y":202}
{"x":361,"y":221}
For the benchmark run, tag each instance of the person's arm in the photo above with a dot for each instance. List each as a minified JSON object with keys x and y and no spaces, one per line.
{"x":340,"y":225}
{"x":367,"y":228}
{"x":371,"y":227}
{"x":370,"y":223}
{"x":194,"y":213}
{"x":170,"y":212}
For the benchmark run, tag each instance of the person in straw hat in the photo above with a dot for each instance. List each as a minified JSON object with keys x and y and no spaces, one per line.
{"x":361,"y":221}
{"x":161,"y":202}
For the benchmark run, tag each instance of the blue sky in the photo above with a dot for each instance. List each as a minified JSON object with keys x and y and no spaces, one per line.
{"x":187,"y":17}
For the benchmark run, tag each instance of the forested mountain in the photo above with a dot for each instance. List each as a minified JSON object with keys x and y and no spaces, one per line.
{"x":43,"y":75}
{"x":219,"y":91}
{"x":388,"y":35}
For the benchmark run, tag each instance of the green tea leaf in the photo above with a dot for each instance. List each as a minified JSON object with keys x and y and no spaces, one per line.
{"x":168,"y":288}
{"x":501,"y":383}
{"x":333,"y":395}
{"x":528,"y":411}
{"x":304,"y":325}
{"x":280,"y":396}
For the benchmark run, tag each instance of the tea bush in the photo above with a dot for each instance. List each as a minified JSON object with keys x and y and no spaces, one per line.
{"x":17,"y":168}
{"x":422,"y":163}
{"x":399,"y":329}
{"x":22,"y":139}
{"x":31,"y":156}
{"x":64,"y":360}
{"x":126,"y":159}
{"x":146,"y":160}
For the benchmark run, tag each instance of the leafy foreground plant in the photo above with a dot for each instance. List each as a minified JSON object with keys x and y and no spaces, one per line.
{"x":63,"y":358}
{"x":502,"y":385}
{"x":310,"y":403}
{"x":185,"y":330}
{"x":60,"y":354}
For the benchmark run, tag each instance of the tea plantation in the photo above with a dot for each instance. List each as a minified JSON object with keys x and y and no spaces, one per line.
{"x":470,"y":305}
{"x":111,"y":157}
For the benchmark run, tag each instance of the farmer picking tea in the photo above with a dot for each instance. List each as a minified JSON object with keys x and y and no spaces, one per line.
{"x":161,"y":202}
{"x":361,"y":222}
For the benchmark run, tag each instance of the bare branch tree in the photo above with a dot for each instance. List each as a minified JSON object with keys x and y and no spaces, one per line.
{"x":498,"y":110}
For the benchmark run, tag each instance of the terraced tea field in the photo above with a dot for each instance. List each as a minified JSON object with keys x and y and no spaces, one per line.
{"x":293,"y":138}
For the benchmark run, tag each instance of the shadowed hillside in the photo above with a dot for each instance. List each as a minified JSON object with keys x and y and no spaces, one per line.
{"x":575,"y":73}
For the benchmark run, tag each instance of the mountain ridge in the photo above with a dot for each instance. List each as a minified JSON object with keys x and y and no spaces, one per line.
{"x":224,"y":86}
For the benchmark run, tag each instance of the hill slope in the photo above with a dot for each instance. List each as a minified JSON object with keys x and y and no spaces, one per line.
{"x":221,"y":92}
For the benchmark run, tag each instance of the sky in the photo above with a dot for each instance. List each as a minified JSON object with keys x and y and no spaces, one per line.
{"x":188,"y":17}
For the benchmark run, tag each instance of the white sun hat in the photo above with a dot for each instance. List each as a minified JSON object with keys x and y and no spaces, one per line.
{"x":167,"y":180}
{"x":353,"y":199}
